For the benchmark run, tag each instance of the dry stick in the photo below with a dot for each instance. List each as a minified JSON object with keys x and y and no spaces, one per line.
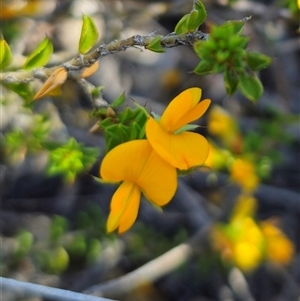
{"x":45,"y":291}
{"x":82,"y":61}
{"x":152,"y":270}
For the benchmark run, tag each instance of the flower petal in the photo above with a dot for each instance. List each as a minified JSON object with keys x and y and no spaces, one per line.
{"x":158,"y":181}
{"x":135,"y":161}
{"x":125,"y":161}
{"x":178,"y":107}
{"x":182,"y":151}
{"x":124,"y":207}
{"x":194,"y":114}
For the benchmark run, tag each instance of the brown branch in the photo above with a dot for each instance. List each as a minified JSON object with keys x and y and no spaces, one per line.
{"x":82,"y":61}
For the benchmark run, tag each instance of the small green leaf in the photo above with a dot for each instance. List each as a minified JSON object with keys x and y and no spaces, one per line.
{"x":187,"y":127}
{"x":235,"y":43}
{"x":257,"y":61}
{"x":156,"y":116}
{"x":24,"y":243}
{"x":204,"y":68}
{"x":236,"y":27}
{"x":54,"y":261}
{"x":192,"y":23}
{"x":6,"y":55}
{"x":182,"y":26}
{"x":231,"y":81}
{"x":206,"y":49}
{"x":202,"y":15}
{"x":22,"y":89}
{"x":126,"y":115}
{"x":40,"y":56}
{"x":106,"y":123}
{"x":250,"y":86}
{"x":89,"y":34}
{"x":118,"y":101}
{"x":71,"y":159}
{"x":222,"y":56}
{"x":155,"y":45}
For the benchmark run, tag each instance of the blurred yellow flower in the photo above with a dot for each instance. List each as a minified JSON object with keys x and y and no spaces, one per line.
{"x":247,"y":256}
{"x":217,"y":157}
{"x":22,"y":8}
{"x":222,"y":125}
{"x":244,"y":207}
{"x":169,"y":137}
{"x":243,"y":173}
{"x":279,"y":249}
{"x":140,"y":170}
{"x":246,"y":243}
{"x":243,"y":242}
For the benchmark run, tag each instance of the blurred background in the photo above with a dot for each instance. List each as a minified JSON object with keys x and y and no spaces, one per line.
{"x":239,"y":214}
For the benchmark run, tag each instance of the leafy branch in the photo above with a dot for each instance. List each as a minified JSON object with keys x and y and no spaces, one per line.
{"x":151,"y":42}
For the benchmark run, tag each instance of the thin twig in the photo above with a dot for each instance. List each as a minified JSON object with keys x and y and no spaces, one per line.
{"x":152,"y":270}
{"x":82,"y":61}
{"x":45,"y":291}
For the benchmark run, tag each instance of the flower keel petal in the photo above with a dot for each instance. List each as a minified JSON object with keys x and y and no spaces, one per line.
{"x":124,"y":207}
{"x":158,"y":181}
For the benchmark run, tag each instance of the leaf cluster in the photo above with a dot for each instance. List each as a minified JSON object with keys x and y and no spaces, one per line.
{"x":225,"y":52}
{"x":122,"y":126}
{"x":70,"y":159}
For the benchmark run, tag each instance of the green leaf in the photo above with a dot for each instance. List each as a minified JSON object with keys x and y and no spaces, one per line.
{"x":22,"y":89}
{"x":231,"y":81}
{"x":257,"y":61}
{"x":204,"y":68}
{"x":155,"y":45}
{"x":156,"y":116}
{"x":192,"y":22}
{"x":71,"y":159}
{"x":187,"y":127}
{"x":202,"y":15}
{"x":235,"y":27}
{"x":182,"y":26}
{"x":24,"y":243}
{"x":89,"y":34}
{"x":206,"y":49}
{"x":118,"y":101}
{"x":236,"y":43}
{"x":250,"y":86}
{"x":127,"y":115}
{"x":40,"y":56}
{"x":6,"y":55}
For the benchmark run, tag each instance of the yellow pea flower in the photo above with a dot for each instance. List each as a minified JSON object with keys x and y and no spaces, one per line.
{"x":141,"y":170}
{"x":279,"y":249}
{"x":247,"y":256}
{"x":20,"y":8}
{"x":243,"y":173}
{"x":168,"y":137}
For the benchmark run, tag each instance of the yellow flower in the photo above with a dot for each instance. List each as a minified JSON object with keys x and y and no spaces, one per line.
{"x":168,"y":137}
{"x":140,"y":169}
{"x":247,"y":256}
{"x":241,"y":241}
{"x":221,"y":124}
{"x":279,"y":249}
{"x":243,"y":173}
